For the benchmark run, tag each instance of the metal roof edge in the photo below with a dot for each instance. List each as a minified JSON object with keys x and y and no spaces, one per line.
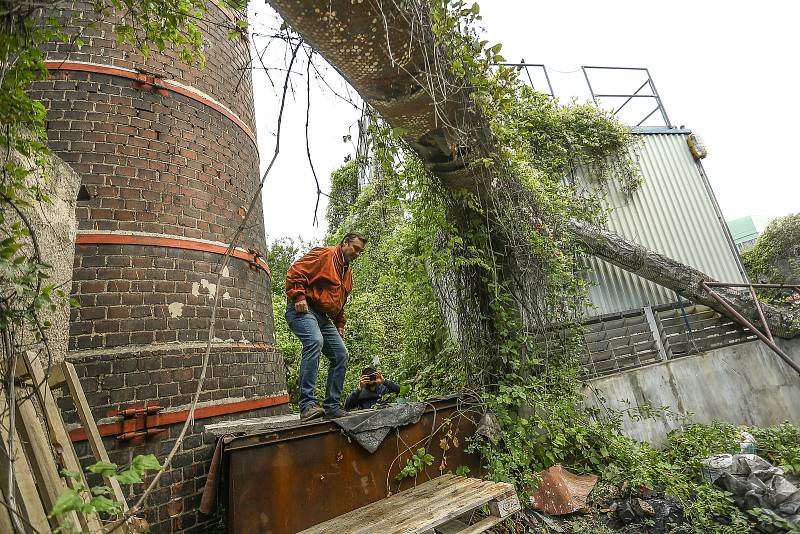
{"x":643,"y":130}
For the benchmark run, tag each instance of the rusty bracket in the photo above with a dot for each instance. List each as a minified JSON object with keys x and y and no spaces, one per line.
{"x":149,"y":82}
{"x":135,"y":420}
{"x":738,"y":317}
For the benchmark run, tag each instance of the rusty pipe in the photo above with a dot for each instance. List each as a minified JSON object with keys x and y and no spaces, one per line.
{"x":744,"y":322}
{"x":761,"y":313}
{"x":736,"y":284}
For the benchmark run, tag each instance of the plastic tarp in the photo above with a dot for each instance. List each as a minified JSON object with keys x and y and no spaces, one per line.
{"x":755,"y":483}
{"x":370,"y":427}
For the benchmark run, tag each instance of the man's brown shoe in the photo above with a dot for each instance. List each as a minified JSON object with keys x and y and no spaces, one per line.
{"x":312,"y":411}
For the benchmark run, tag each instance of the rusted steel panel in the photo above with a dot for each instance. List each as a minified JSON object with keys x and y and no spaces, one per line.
{"x":283,"y":481}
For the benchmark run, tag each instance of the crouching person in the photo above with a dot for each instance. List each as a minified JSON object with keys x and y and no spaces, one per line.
{"x":317,"y":286}
{"x":372,"y":386}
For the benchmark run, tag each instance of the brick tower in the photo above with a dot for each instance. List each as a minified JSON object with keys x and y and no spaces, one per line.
{"x":167,"y":154}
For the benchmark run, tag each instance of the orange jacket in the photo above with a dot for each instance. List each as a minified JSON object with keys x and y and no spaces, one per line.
{"x":323,"y":279}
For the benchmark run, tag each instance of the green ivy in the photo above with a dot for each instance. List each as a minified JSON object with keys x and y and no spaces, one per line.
{"x":775,"y":257}
{"x":83,"y":499}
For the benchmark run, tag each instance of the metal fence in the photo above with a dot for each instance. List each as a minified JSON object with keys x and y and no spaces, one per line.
{"x":618,"y":342}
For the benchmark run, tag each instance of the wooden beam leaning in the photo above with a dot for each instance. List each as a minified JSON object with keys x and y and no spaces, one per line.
{"x":42,"y":458}
{"x":89,"y":425}
{"x":58,"y":434}
{"x":29,"y":504}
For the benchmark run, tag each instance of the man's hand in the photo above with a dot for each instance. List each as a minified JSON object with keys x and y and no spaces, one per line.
{"x":379,"y":378}
{"x":341,"y":331}
{"x":364,"y":382}
{"x":301,"y":306}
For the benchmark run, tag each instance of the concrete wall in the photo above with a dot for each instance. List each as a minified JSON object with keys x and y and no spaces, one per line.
{"x":55,"y":226}
{"x":744,"y":384}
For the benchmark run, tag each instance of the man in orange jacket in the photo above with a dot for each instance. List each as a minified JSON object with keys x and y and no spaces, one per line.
{"x":317,"y":286}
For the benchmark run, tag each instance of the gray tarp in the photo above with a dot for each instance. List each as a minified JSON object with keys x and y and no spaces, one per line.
{"x":755,"y":483}
{"x":370,"y":427}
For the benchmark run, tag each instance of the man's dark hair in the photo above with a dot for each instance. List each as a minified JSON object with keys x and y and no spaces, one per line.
{"x":353,"y":235}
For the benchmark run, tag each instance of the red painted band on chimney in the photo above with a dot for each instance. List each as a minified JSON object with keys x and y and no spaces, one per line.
{"x":254,"y":259}
{"x":171,"y":418}
{"x":154,"y":81}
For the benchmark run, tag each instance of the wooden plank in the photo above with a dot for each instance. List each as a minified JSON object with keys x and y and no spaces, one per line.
{"x":25,"y":484}
{"x":89,"y":425}
{"x":443,"y":507}
{"x":437,"y":504}
{"x":54,"y":379}
{"x":58,"y":435}
{"x":418,"y":509}
{"x":43,"y":462}
{"x":366,"y":513}
{"x":434,"y":515}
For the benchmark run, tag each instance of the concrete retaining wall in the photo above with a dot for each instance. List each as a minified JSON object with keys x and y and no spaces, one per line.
{"x":743,"y":384}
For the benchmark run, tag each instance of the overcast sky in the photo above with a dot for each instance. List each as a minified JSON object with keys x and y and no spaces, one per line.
{"x":724,"y":70}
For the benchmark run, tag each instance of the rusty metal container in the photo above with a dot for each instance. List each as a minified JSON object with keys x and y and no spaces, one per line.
{"x":286,"y":480}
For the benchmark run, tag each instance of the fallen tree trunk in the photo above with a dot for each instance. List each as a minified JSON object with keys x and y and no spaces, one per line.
{"x":681,"y":278}
{"x":385,"y":51}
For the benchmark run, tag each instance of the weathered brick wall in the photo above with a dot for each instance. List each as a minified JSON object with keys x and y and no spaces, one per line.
{"x":168,"y":375}
{"x":226,"y":75}
{"x":155,"y":163}
{"x":165,"y":165}
{"x":136,"y":295}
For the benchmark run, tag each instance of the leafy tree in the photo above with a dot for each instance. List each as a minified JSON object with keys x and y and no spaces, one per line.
{"x":775,"y":257}
{"x":344,"y":191}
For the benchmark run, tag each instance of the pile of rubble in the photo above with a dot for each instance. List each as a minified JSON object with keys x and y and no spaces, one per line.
{"x":758,"y":487}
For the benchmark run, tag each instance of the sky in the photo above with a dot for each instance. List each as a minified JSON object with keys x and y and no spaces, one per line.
{"x":724,"y":70}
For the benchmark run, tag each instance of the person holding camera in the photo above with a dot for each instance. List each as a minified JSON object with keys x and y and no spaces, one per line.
{"x":371,"y":387}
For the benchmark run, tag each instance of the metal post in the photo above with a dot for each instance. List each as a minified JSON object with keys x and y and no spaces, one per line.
{"x":585,"y":75}
{"x":747,"y":324}
{"x":790,"y":285}
{"x":658,"y":99}
{"x":651,"y":320}
{"x":630,"y":98}
{"x":549,"y":85}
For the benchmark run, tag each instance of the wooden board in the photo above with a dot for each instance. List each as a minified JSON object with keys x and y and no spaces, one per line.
{"x":58,"y":435}
{"x":420,"y":509}
{"x":87,"y":420}
{"x":26,"y":495}
{"x":43,"y":460}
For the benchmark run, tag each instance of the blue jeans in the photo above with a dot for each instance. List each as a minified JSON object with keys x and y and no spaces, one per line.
{"x":318,"y":334}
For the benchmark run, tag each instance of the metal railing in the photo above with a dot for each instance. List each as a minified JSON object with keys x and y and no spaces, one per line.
{"x":619,"y":342}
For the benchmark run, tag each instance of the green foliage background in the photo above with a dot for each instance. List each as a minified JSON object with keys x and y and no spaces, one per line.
{"x":775,"y":257}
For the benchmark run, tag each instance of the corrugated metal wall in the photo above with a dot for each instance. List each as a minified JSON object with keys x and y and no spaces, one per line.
{"x":674,"y":214}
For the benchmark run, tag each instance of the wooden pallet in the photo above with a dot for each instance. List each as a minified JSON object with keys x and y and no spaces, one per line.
{"x":42,"y":448}
{"x":431,"y":507}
